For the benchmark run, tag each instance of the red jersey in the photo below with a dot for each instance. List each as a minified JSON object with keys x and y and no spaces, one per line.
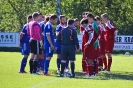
{"x":110,"y":30}
{"x":102,"y":38}
{"x":89,"y":49}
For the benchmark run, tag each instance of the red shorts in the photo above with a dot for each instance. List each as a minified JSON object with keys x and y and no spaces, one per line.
{"x":83,"y":46}
{"x":96,"y":53}
{"x":89,"y":52}
{"x":102,"y":47}
{"x":109,"y":46}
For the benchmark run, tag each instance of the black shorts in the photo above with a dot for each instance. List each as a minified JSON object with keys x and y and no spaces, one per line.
{"x":35,"y":47}
{"x":68,"y":52}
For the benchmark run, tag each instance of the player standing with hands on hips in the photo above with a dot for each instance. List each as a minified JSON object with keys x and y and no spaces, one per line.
{"x":69,"y":43}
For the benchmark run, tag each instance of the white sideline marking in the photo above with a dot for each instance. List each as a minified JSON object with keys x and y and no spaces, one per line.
{"x":44,"y":83}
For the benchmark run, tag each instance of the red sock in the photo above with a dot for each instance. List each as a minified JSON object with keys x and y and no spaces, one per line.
{"x":105,"y":62}
{"x":100,"y":64}
{"x":90,"y":69}
{"x":109,"y":63}
{"x":84,"y":65}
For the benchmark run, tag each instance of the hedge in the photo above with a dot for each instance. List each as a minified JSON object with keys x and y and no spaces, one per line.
{"x":17,"y":49}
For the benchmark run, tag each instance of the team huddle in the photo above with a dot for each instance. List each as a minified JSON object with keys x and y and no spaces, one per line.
{"x":37,"y":39}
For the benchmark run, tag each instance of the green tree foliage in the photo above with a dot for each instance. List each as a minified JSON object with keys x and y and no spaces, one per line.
{"x":13,"y":12}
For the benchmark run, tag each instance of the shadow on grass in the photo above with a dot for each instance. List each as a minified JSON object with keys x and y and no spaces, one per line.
{"x":113,"y":75}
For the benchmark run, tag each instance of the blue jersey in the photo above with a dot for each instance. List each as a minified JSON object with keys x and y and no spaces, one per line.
{"x":48,"y":29}
{"x":26,"y":37}
{"x":42,"y":26}
{"x":58,"y":29}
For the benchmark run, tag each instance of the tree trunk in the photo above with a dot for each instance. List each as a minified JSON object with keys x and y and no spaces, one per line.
{"x":58,"y":7}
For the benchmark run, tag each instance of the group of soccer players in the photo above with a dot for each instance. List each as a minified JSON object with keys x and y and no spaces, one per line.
{"x":97,"y":41}
{"x":37,"y":39}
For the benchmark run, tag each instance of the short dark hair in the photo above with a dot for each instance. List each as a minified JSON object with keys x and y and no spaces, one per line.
{"x":90,"y":15}
{"x":61,"y":16}
{"x":76,"y":19}
{"x":70,"y":21}
{"x":53,"y":16}
{"x":35,"y":15}
{"x":47,"y":18}
{"x":97,"y":18}
{"x":29,"y":16}
{"x":84,"y":21}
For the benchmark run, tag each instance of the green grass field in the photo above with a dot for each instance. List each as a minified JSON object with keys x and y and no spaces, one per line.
{"x":121,"y":75}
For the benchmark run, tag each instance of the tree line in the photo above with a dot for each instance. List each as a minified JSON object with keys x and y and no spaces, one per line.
{"x":13,"y":12}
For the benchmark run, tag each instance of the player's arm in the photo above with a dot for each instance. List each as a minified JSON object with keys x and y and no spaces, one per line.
{"x":59,"y":36}
{"x":21,"y":35}
{"x":48,"y":36}
{"x":57,"y":30}
{"x":91,"y":35}
{"x":115,"y":33}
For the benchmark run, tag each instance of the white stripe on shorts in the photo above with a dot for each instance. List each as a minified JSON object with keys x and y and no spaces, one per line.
{"x":24,"y":46}
{"x":49,"y":49}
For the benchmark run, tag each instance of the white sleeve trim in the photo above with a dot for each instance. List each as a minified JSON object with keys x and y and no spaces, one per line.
{"x":110,"y":25}
{"x":48,"y":33}
{"x":22,"y":32}
{"x":91,"y":35}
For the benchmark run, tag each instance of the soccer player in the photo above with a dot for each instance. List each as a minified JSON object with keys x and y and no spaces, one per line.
{"x":42,"y":53}
{"x":109,"y":38}
{"x":76,"y":23}
{"x":88,"y":47}
{"x":36,"y":43}
{"x":62,"y":25}
{"x":24,"y":44}
{"x":91,"y":20}
{"x":69,"y":42}
{"x":84,"y":64}
{"x":49,"y":42}
{"x":102,"y":58}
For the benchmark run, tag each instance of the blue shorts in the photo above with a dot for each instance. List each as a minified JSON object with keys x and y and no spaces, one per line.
{"x":49,"y":52}
{"x":25,"y":49}
{"x":58,"y":50}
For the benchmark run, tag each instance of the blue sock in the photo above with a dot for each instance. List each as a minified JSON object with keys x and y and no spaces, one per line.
{"x":58,"y":63}
{"x":23,"y":64}
{"x":42,"y":64}
{"x":39,"y":63}
{"x":46,"y":66}
{"x":67,"y":63}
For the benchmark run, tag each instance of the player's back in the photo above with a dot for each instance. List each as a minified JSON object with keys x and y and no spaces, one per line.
{"x":34,"y":30}
{"x":42,"y":25}
{"x":110,"y":29}
{"x":26,"y":37}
